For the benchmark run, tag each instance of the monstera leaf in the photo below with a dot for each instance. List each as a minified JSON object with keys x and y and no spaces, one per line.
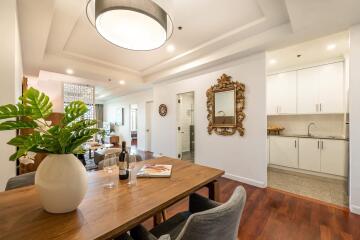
{"x":25,"y":144}
{"x":82,"y":124}
{"x":12,"y":125}
{"x":73,"y":111}
{"x":39,"y":103}
{"x":11,"y":111}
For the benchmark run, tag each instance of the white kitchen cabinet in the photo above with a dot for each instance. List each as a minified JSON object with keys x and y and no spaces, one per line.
{"x":307,"y":91}
{"x":284,"y":151}
{"x":272,"y":95}
{"x":331,"y":88}
{"x":309,"y":154}
{"x":281,"y":93}
{"x":334,"y":157}
{"x":321,"y":89}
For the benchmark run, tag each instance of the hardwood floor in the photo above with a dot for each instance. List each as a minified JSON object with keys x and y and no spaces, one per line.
{"x":272,"y":214}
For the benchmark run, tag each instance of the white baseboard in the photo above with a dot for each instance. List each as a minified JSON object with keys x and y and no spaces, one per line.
{"x":245,"y":180}
{"x":355,"y":209}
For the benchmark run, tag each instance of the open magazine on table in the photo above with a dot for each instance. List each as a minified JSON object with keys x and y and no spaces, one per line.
{"x":155,"y":170}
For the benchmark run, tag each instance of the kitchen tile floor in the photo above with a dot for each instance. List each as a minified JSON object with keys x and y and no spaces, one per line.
{"x":324,"y":189}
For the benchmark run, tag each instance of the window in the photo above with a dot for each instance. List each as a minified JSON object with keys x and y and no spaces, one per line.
{"x":78,"y":92}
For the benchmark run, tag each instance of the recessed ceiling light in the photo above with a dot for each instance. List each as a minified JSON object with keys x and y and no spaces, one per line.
{"x":170,"y":48}
{"x":69,"y":71}
{"x":331,"y":47}
{"x":122,"y":82}
{"x":273,"y":61}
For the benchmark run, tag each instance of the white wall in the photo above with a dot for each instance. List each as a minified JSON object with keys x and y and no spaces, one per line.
{"x":11,"y":77}
{"x":140,"y":99}
{"x":243,"y":158}
{"x":54,"y":89}
{"x":354,"y":100}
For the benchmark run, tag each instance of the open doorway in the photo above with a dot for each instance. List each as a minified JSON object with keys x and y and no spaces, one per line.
{"x":134,"y":124}
{"x":185,"y":126}
{"x":307,"y":116}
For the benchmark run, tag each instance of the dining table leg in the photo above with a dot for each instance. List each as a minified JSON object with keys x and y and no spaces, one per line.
{"x":214,"y":191}
{"x":157,"y":219}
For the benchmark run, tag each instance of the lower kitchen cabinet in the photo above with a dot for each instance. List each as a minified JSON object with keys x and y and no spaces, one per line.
{"x":324,"y":155}
{"x":284,"y":151}
{"x":316,"y":155}
{"x":334,"y":157}
{"x":309,"y":154}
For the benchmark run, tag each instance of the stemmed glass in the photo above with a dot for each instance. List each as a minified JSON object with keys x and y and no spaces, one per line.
{"x":110,"y":166}
{"x":132,"y":170}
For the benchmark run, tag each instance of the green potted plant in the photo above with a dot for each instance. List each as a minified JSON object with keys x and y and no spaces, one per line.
{"x":60,"y":179}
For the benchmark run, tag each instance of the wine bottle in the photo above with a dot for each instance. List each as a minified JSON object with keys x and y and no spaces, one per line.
{"x":123,"y":162}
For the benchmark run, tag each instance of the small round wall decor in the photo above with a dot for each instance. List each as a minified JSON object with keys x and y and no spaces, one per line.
{"x":162,"y":110}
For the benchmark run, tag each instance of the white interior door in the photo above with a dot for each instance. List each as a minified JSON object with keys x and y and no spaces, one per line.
{"x":148,"y":123}
{"x":179,"y":131}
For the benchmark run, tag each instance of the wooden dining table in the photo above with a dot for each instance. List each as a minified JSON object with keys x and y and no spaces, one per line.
{"x":104,"y":213}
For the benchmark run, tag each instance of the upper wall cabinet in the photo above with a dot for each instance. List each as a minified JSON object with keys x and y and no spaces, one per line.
{"x":321,"y":89}
{"x":313,"y":90}
{"x":281,"y":93}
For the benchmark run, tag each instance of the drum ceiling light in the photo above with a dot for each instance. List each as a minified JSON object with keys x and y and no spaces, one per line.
{"x":131,"y":24}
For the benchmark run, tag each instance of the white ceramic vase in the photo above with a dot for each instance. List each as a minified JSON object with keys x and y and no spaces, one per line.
{"x":61,"y":181}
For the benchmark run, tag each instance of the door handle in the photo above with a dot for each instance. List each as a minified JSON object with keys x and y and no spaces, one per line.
{"x":322,"y":144}
{"x":318,"y":144}
{"x":320,"y":107}
{"x":295,"y":143}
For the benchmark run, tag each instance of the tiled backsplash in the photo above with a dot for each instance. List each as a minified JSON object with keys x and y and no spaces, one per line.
{"x":325,"y":125}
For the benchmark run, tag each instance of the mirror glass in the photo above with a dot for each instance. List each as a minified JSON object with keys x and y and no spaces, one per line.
{"x":224,"y":112}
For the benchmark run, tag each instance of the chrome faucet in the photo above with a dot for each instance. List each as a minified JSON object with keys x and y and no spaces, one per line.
{"x":308,"y":128}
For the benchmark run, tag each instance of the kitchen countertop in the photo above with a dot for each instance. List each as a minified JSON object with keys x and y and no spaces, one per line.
{"x":312,"y":136}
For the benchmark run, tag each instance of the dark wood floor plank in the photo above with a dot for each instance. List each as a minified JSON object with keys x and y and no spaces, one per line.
{"x":275,"y":215}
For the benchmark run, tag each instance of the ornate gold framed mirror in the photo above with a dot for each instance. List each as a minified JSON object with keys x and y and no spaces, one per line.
{"x":225,"y":105}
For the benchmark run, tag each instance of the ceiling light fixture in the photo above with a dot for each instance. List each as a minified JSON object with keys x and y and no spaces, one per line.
{"x":69,"y":71}
{"x":131,"y":24}
{"x":170,"y":48}
{"x":331,"y":47}
{"x":122,"y":82}
{"x":273,"y":61}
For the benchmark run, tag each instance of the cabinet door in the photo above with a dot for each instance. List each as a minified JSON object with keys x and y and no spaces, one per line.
{"x":287,"y":92}
{"x":334,"y":157}
{"x":307,"y":90}
{"x":331,"y":88}
{"x":309,"y":154}
{"x":272,"y":97}
{"x":284,"y":151}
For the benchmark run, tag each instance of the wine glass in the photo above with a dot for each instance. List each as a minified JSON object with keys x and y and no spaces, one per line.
{"x":132,"y":170}
{"x":110,"y":166}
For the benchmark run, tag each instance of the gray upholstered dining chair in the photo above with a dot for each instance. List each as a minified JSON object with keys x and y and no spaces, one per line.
{"x":23,"y":180}
{"x":205,"y":220}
